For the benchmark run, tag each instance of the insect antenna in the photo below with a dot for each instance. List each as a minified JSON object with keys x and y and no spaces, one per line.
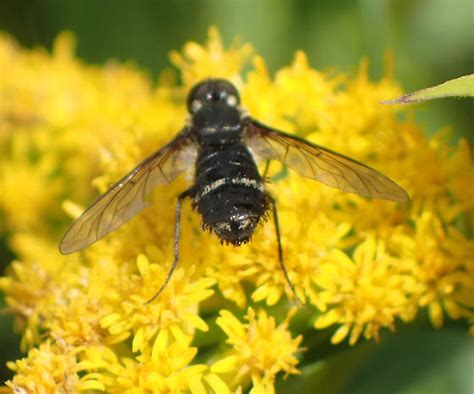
{"x":177,"y":233}
{"x":280,"y":254}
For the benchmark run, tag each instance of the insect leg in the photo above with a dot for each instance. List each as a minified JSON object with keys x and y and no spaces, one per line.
{"x":280,"y":252}
{"x":177,"y":233}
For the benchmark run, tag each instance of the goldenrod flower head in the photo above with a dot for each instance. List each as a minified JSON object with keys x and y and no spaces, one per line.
{"x":68,"y":130}
{"x":176,"y":315}
{"x":213,"y":60}
{"x":51,"y":368}
{"x":261,"y":349}
{"x":441,"y":262}
{"x":164,"y":369}
{"x":366,"y":294}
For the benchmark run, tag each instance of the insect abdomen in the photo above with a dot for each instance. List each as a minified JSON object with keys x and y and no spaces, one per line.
{"x":230,"y":195}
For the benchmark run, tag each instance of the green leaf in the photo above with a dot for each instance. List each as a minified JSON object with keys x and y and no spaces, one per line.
{"x":459,"y":87}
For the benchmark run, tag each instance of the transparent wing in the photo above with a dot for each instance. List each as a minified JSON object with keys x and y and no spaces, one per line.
{"x":316,"y":162}
{"x":127,"y":197}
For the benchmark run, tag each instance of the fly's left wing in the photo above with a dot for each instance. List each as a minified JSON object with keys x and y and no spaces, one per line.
{"x":127,"y":197}
{"x":314,"y":161}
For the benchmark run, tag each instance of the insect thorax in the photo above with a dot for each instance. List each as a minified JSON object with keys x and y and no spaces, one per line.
{"x":217,"y":124}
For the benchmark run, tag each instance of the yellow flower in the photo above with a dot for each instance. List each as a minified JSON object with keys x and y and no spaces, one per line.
{"x":36,"y":285}
{"x":198,"y":62}
{"x":366,"y":294}
{"x":164,"y":369}
{"x":261,"y":349}
{"x":28,"y":186}
{"x":51,"y":368}
{"x":176,"y":315}
{"x":56,"y":115}
{"x":442,"y":266}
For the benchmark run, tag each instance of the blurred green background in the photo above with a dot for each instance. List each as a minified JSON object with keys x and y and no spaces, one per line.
{"x":433,"y":41}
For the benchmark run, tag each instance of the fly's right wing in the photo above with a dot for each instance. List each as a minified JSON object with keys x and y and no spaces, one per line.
{"x":127,"y":197}
{"x":316,"y":162}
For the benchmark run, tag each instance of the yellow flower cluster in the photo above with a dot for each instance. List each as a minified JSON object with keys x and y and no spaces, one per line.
{"x":260,"y":350}
{"x":67,"y":130}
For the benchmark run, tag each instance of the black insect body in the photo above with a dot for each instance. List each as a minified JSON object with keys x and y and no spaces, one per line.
{"x":222,"y":142}
{"x":229,"y":192}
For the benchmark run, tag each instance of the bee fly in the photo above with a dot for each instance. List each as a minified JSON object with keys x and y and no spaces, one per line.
{"x":222,"y":142}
